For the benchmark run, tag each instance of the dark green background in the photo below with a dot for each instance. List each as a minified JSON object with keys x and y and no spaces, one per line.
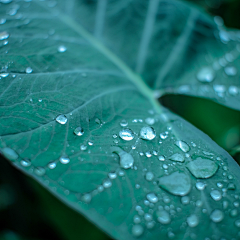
{"x":29,"y":212}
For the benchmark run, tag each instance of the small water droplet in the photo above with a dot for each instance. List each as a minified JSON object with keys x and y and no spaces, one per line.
{"x":4,"y":35}
{"x":216,"y":215}
{"x":9,"y":154}
{"x":233,"y":213}
{"x":29,"y":70}
{"x":147,"y":133}
{"x":149,"y":176}
{"x":220,"y":89}
{"x":137,"y":230}
{"x":165,"y":166}
{"x":112,"y":175}
{"x":83,"y":147}
{"x":90,"y":143}
{"x":231,"y":186}
{"x":200,"y":186}
{"x":136,"y":219}
{"x":163,"y":217}
{"x":150,"y":121}
{"x":206,"y":75}
{"x":166,"y":199}
{"x":182,"y":145}
{"x":52,"y":165}
{"x":62,"y":119}
{"x":177,"y":157}
{"x":107,"y":183}
{"x":202,"y":168}
{"x":62,"y":48}
{"x":151,"y":197}
{"x":114,"y":135}
{"x":25,"y":163}
{"x":192,"y":220}
{"x":177,"y":183}
{"x":40,"y":171}
{"x":161,"y":158}
{"x":3,"y":20}
{"x":79,"y":131}
{"x":233,"y":90}
{"x":163,"y":135}
{"x":230,"y":71}
{"x":123,"y":123}
{"x":148,"y":154}
{"x":87,"y":198}
{"x":148,"y":217}
{"x":64,"y":160}
{"x":237,"y":223}
{"x":126,"y":159}
{"x":126,"y":134}
{"x":216,"y":195}
{"x":199,"y":203}
{"x":185,"y":200}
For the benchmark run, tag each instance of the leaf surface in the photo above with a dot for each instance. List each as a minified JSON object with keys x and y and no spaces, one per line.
{"x":77,"y":119}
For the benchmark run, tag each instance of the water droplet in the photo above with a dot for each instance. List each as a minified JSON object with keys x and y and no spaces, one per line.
{"x":151,"y":197}
{"x":150,"y":121}
{"x":126,"y":134}
{"x":148,"y":217}
{"x":225,"y":204}
{"x":3,"y":20}
{"x":182,"y":145}
{"x":52,"y":165}
{"x":220,"y":89}
{"x":107,"y":183}
{"x":29,"y":70}
{"x":233,"y":213}
{"x":149,"y":176}
{"x":233,"y":90}
{"x":163,"y":135}
{"x":9,"y":154}
{"x":155,"y":153}
{"x":185,"y":200}
{"x":161,"y":158}
{"x":40,"y":171}
{"x":4,"y":75}
{"x":230,"y":71}
{"x":231,"y":186}
{"x":126,"y":159}
{"x":165,"y":166}
{"x":177,"y":157}
{"x":206,"y":75}
{"x":202,"y":168}
{"x":148,"y":154}
{"x":62,"y":119}
{"x":83,"y":147}
{"x":4,"y":35}
{"x":123,"y":123}
{"x":237,"y":223}
{"x":216,"y":215}
{"x":136,"y":219}
{"x":199,"y":203}
{"x":62,"y":48}
{"x":147,"y":133}
{"x":90,"y":143}
{"x":79,"y":131}
{"x":176,"y":183}
{"x":25,"y":163}
{"x":200,"y":186}
{"x":64,"y":160}
{"x":137,"y":230}
{"x":216,"y":195}
{"x":163,"y":217}
{"x":220,"y":185}
{"x":166,"y":199}
{"x":112,"y":175}
{"x":87,"y":198}
{"x":192,"y":220}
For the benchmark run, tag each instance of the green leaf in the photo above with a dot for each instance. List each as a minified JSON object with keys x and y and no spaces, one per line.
{"x":77,"y":119}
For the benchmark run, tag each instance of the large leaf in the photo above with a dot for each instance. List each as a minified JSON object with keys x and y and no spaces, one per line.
{"x":79,"y":121}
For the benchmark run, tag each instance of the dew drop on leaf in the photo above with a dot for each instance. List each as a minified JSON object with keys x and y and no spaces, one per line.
{"x":182,"y":145}
{"x":64,"y":160}
{"x":147,"y":133}
{"x":4,"y":35}
{"x":126,"y":159}
{"x":237,"y":223}
{"x":148,"y":154}
{"x":216,"y":195}
{"x":62,"y":48}
{"x":200,"y":186}
{"x":192,"y":220}
{"x":233,"y":90}
{"x":137,"y":230}
{"x":163,"y":135}
{"x":52,"y":165}
{"x":136,"y":219}
{"x":230,"y":71}
{"x":126,"y":134}
{"x":202,"y":168}
{"x":177,"y":157}
{"x":151,"y":197}
{"x":149,"y":176}
{"x":123,"y":123}
{"x":62,"y":119}
{"x":4,"y":75}
{"x":107,"y":183}
{"x":3,"y":20}
{"x":9,"y":154}
{"x":177,"y":183}
{"x":112,"y":175}
{"x":216,"y":215}
{"x":163,"y":217}
{"x":79,"y":131}
{"x":87,"y":198}
{"x":206,"y":75}
{"x":25,"y":163}
{"x":185,"y":200}
{"x":40,"y":171}
{"x":161,"y":158}
{"x":150,"y":121}
{"x":29,"y":70}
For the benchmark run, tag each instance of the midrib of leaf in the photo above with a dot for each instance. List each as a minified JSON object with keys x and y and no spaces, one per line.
{"x":133,"y":77}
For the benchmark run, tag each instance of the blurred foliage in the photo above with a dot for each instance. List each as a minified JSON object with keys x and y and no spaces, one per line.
{"x":28,"y":211}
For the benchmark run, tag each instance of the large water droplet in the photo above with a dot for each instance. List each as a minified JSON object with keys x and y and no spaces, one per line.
{"x":182,"y":145}
{"x":62,"y":48}
{"x":216,"y":195}
{"x":151,"y":197}
{"x":230,"y":71}
{"x":147,"y":133}
{"x":176,"y":183}
{"x":137,"y":230}
{"x":163,"y":217}
{"x":149,"y":176}
{"x":4,"y":75}
{"x":126,"y":159}
{"x":126,"y":134}
{"x":29,"y":70}
{"x":177,"y":157}
{"x":9,"y":154}
{"x":4,"y":35}
{"x":192,"y":220}
{"x":202,"y":168}
{"x":79,"y":131}
{"x":62,"y":119}
{"x":206,"y":74}
{"x":64,"y":160}
{"x":216,"y":215}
